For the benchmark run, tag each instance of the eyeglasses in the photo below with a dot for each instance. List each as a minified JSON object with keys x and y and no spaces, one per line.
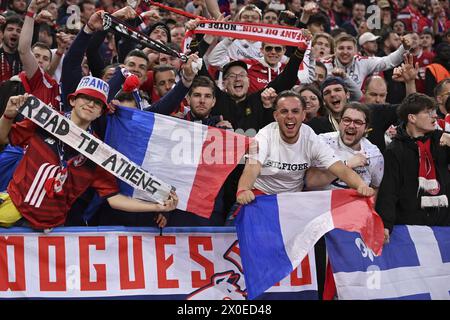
{"x":431,"y":113}
{"x":235,"y":76}
{"x":270,"y":48}
{"x":347,"y":121}
{"x":89,"y":100}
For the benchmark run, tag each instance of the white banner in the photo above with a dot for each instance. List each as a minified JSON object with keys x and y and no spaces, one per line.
{"x":134,"y":262}
{"x":268,"y":33}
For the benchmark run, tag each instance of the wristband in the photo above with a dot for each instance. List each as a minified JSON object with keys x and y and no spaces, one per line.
{"x":59,"y":54}
{"x":31,"y":14}
{"x":185,"y":78}
{"x":7,"y":117}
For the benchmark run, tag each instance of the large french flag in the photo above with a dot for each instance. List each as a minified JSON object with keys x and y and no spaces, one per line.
{"x":276,"y":232}
{"x":194,"y":158}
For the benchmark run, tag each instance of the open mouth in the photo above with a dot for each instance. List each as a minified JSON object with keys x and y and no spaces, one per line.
{"x":350,"y":133}
{"x":238,"y":87}
{"x":290,"y":125}
{"x":336,"y":103}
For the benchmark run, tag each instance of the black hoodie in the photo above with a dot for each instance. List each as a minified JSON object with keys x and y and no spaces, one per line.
{"x":398,"y":199}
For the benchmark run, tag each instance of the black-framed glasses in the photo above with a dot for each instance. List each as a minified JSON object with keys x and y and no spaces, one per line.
{"x":270,"y":48}
{"x":347,"y":121}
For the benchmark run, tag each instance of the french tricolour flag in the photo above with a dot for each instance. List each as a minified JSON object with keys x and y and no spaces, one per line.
{"x":194,"y":158}
{"x":276,"y":232}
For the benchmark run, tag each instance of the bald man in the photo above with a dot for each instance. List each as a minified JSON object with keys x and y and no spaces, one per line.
{"x":375,"y":90}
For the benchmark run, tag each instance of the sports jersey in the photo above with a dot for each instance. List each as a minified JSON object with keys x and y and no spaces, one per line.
{"x":372,"y":173}
{"x":42,"y":86}
{"x":260,"y":74}
{"x":283,"y":164}
{"x":413,"y":19}
{"x":42,"y":162}
{"x":424,"y":58}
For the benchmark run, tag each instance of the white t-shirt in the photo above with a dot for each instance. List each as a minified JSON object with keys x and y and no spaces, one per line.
{"x":371,"y":173}
{"x":284,"y":165}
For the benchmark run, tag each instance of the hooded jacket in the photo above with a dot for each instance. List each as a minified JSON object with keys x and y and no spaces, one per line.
{"x":398,"y":200}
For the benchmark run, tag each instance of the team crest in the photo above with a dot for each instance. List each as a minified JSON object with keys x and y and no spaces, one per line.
{"x":50,"y":141}
{"x":79,"y":160}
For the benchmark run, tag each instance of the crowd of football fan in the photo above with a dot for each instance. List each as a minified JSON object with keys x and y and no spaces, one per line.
{"x":361,"y":102}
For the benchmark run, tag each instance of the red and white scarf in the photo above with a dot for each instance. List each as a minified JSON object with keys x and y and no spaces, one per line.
{"x":427,"y":177}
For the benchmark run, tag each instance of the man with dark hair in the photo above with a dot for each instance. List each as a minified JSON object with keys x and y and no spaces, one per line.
{"x":171,"y":60}
{"x":201,"y":99}
{"x":10,"y":63}
{"x":87,"y":9}
{"x":427,"y":40}
{"x":358,"y":17}
{"x":415,"y":187}
{"x":335,"y":92}
{"x":350,"y":146}
{"x":18,"y":6}
{"x":389,"y":42}
{"x":317,"y":23}
{"x":164,"y":78}
{"x":36,"y":61}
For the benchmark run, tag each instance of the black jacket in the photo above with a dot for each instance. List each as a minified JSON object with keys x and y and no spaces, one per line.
{"x":398,"y":199}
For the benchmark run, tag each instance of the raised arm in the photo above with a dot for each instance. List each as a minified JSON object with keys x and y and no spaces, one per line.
{"x":169,"y":102}
{"x":288,"y":78}
{"x":351,"y":178}
{"x":407,"y":73}
{"x":354,"y":90}
{"x":29,"y":62}
{"x":392,"y":60}
{"x":9,"y":115}
{"x":213,"y":8}
{"x":251,"y":172}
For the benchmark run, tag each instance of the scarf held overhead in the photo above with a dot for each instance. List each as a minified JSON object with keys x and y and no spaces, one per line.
{"x":268,"y":33}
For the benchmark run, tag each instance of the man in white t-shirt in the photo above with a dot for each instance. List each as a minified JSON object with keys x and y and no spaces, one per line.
{"x":350,"y":146}
{"x":286,"y":149}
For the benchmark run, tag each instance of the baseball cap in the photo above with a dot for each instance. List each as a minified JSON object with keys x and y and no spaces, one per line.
{"x":232,"y":64}
{"x":366,"y":37}
{"x":93,"y":87}
{"x":331,"y":81}
{"x":383,"y":4}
